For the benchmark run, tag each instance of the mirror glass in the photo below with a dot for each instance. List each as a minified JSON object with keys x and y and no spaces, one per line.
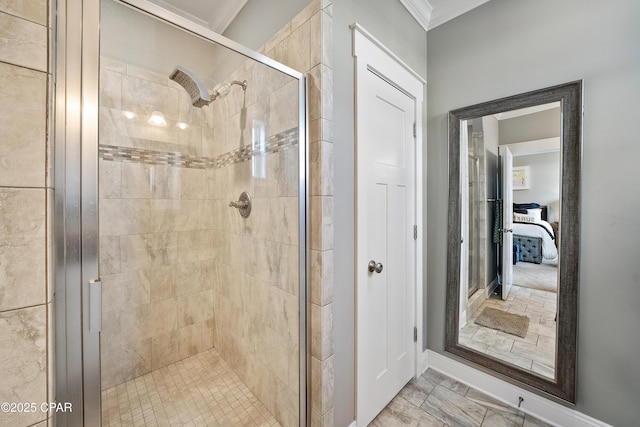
{"x":510,"y":307}
{"x":513,"y":236}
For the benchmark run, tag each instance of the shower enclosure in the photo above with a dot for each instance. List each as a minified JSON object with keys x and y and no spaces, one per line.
{"x":194,"y":301}
{"x":478,"y":205}
{"x":475,"y":204}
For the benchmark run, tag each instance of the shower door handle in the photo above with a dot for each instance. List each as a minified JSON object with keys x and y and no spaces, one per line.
{"x":95,"y":306}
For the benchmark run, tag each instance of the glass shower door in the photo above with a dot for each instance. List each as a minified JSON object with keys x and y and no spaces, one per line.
{"x":202,"y":242}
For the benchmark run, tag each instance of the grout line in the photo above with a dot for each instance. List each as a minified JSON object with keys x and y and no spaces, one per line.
{"x":185,"y":391}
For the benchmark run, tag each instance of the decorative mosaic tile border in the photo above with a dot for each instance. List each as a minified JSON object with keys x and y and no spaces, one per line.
{"x":275,"y":143}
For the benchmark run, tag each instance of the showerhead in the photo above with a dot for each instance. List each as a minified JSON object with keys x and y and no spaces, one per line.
{"x":199,"y":94}
{"x":194,"y":87}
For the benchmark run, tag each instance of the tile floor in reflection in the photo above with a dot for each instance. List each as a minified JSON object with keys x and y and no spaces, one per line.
{"x":435,"y":400}
{"x":535,"y":352}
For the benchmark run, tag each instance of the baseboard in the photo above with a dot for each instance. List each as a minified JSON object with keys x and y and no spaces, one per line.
{"x":533,"y":404}
{"x":492,"y":287}
{"x":463,"y":319}
{"x":423,"y":363}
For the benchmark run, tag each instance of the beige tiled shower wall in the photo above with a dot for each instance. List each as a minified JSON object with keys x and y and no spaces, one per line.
{"x":156,"y":249}
{"x":26,"y":198}
{"x":181,"y":270}
{"x":256,"y":300}
{"x":305,"y":44}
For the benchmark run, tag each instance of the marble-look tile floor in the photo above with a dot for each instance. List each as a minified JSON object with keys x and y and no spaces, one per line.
{"x":537,"y":350}
{"x":435,"y":400}
{"x":201,"y":390}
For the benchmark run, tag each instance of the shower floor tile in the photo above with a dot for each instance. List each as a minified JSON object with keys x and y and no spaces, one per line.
{"x":201,"y":390}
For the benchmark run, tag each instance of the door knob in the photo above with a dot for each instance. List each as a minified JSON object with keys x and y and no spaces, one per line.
{"x":375,"y":266}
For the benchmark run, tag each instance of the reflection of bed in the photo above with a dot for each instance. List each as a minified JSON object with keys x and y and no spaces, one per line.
{"x":534,"y":234}
{"x":529,"y":248}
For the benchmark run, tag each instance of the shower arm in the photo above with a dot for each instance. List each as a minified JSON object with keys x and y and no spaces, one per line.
{"x":216,"y":92}
{"x":239,"y":83}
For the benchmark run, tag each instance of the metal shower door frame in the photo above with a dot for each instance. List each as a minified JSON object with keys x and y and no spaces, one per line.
{"x":75,"y":58}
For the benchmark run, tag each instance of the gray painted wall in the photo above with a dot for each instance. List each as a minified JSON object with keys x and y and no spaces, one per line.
{"x":253,"y":26}
{"x":390,"y":23}
{"x":506,"y":47}
{"x":259,"y":20}
{"x":545,"y":167}
{"x":545,"y":181}
{"x":545,"y":124}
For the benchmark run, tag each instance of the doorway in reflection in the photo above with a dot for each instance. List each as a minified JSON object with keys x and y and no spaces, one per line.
{"x":526,"y":282}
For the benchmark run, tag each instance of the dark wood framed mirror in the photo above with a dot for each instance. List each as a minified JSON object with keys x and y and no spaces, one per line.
{"x":550,"y":317}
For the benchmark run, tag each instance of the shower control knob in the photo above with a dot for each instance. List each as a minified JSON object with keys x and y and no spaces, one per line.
{"x":243,"y":204}
{"x":375,"y":267}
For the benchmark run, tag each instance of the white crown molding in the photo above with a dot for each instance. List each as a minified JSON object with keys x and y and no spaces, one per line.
{"x":226,"y":11}
{"x":447,"y":10}
{"x":420,"y":10}
{"x":222,"y":18}
{"x":181,"y":12}
{"x":533,"y":404}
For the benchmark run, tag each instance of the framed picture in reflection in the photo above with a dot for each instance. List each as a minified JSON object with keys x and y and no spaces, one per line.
{"x":521,"y":178}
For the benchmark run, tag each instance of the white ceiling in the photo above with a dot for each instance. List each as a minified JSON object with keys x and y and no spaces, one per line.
{"x":525,"y":111}
{"x":218,"y":14}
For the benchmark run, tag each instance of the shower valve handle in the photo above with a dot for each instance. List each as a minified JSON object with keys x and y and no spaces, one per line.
{"x":243,"y":204}
{"x":239,"y":204}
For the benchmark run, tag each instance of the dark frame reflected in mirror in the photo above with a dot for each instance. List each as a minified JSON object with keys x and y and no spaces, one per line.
{"x":501,"y":250}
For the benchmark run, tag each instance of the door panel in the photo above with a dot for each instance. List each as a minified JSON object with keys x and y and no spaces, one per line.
{"x":506,"y":164}
{"x":385,"y":235}
{"x":397,"y":294}
{"x":377,"y":283}
{"x":389,"y":154}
